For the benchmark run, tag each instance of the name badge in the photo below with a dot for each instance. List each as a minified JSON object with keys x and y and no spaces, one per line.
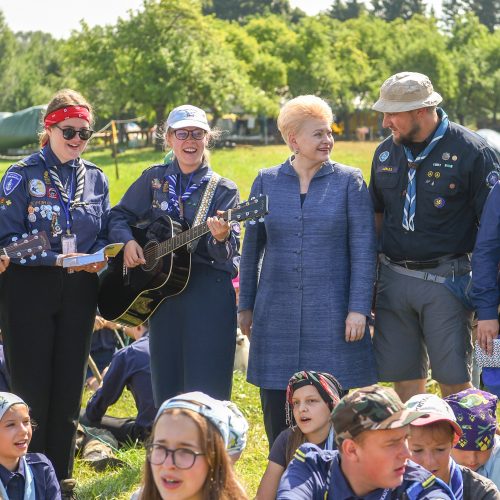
{"x":68,"y":243}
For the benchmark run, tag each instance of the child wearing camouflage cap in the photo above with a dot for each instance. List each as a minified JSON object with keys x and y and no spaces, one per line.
{"x":371,"y":429}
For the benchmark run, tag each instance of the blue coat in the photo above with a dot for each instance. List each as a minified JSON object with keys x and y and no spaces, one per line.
{"x":317,"y":263}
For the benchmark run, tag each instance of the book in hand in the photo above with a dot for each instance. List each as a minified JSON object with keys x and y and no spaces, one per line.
{"x":101,"y":255}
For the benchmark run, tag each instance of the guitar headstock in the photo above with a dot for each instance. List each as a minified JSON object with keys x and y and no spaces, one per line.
{"x":27,"y":245}
{"x":254,"y":208}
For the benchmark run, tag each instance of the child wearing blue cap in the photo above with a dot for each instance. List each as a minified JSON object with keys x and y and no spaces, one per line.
{"x":189,"y":453}
{"x":22,"y":475}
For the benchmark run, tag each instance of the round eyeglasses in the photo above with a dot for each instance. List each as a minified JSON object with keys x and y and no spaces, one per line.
{"x":69,"y":132}
{"x":183,"y":458}
{"x":197,"y":134}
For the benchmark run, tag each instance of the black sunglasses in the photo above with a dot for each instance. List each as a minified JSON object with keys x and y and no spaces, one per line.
{"x":69,"y":132}
{"x":182,"y":134}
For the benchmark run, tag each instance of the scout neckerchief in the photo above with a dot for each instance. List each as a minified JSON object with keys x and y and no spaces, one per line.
{"x":29,"y":484}
{"x":68,"y":198}
{"x":456,"y":480}
{"x":411,"y":191}
{"x":176,"y":199}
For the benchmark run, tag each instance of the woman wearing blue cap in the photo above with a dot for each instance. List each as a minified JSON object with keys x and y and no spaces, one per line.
{"x":192,"y":334}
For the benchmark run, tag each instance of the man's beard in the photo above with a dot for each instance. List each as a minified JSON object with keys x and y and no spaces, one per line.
{"x":408,"y":138}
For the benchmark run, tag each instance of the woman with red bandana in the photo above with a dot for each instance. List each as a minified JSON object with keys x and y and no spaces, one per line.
{"x":47,"y":313}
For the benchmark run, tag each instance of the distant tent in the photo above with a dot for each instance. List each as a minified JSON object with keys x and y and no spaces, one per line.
{"x":21,"y":128}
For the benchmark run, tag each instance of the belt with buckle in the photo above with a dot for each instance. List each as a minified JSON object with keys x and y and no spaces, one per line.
{"x":425,"y":264}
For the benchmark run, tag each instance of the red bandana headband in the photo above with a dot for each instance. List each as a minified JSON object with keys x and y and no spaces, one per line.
{"x":65,"y":113}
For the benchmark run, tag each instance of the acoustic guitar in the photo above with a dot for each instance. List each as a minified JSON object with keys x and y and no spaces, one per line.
{"x":130,"y":296}
{"x":27,"y":246}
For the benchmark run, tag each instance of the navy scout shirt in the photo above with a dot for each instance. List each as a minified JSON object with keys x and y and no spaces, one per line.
{"x":44,"y":476}
{"x":129,"y":367}
{"x":306,"y":479}
{"x":452,"y":185}
{"x":147,"y":199}
{"x":29,"y":200}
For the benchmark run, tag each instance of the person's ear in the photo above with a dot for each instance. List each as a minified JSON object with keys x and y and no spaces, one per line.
{"x":350,"y":450}
{"x":292,"y":141}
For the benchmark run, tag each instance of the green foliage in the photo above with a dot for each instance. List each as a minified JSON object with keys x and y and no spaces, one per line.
{"x":238,"y":11}
{"x":346,"y":10}
{"x":170,"y":52}
{"x":397,"y":9}
{"x":487,"y":11}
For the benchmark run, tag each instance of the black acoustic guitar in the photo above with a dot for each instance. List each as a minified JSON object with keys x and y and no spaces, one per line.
{"x":27,"y":246}
{"x":130,"y":296}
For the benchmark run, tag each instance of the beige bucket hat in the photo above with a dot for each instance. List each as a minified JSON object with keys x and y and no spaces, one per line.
{"x":405,"y":92}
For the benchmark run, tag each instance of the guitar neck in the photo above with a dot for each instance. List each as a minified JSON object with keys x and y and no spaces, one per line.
{"x":182,"y":239}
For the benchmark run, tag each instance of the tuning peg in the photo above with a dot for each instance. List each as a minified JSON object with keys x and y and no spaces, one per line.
{"x":23,"y":261}
{"x":33,"y":257}
{"x":24,"y":235}
{"x":252,"y":222}
{"x":253,"y":198}
{"x":35,"y":231}
{"x":14,"y":238}
{"x":44,"y":254}
{"x":261,"y":219}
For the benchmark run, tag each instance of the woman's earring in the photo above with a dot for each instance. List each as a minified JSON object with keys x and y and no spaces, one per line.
{"x":296,"y":152}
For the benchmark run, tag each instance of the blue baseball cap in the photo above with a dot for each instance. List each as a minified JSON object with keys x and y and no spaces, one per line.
{"x":188,"y":116}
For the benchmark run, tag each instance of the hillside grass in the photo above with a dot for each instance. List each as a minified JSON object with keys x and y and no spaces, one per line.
{"x":241,"y":165}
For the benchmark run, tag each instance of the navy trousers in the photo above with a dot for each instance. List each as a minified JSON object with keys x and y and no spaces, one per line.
{"x":192,"y":337}
{"x":47,"y":318}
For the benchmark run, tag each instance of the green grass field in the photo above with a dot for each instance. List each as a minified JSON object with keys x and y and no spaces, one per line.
{"x":241,"y":165}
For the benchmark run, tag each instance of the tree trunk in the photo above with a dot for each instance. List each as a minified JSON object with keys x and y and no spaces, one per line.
{"x":160,"y":124}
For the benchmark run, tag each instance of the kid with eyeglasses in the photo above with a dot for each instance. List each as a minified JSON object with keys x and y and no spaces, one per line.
{"x":189,"y":453}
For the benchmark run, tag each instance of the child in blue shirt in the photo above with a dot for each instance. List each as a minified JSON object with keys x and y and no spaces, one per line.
{"x":23,"y":475}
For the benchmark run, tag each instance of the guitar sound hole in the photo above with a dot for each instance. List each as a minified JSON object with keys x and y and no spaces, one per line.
{"x":150,"y":255}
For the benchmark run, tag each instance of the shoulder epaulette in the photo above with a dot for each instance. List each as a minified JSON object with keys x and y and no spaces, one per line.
{"x":154,"y":166}
{"x":20,"y":163}
{"x":90,"y":164}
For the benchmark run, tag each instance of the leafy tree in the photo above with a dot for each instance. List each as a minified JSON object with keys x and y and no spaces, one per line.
{"x":426,"y":53}
{"x":34,"y":72}
{"x":476,"y":56}
{"x":346,"y":10}
{"x":238,"y":11}
{"x":487,"y":11}
{"x":397,"y":9}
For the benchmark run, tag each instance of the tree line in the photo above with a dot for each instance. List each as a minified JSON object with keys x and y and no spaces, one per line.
{"x":250,"y":56}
